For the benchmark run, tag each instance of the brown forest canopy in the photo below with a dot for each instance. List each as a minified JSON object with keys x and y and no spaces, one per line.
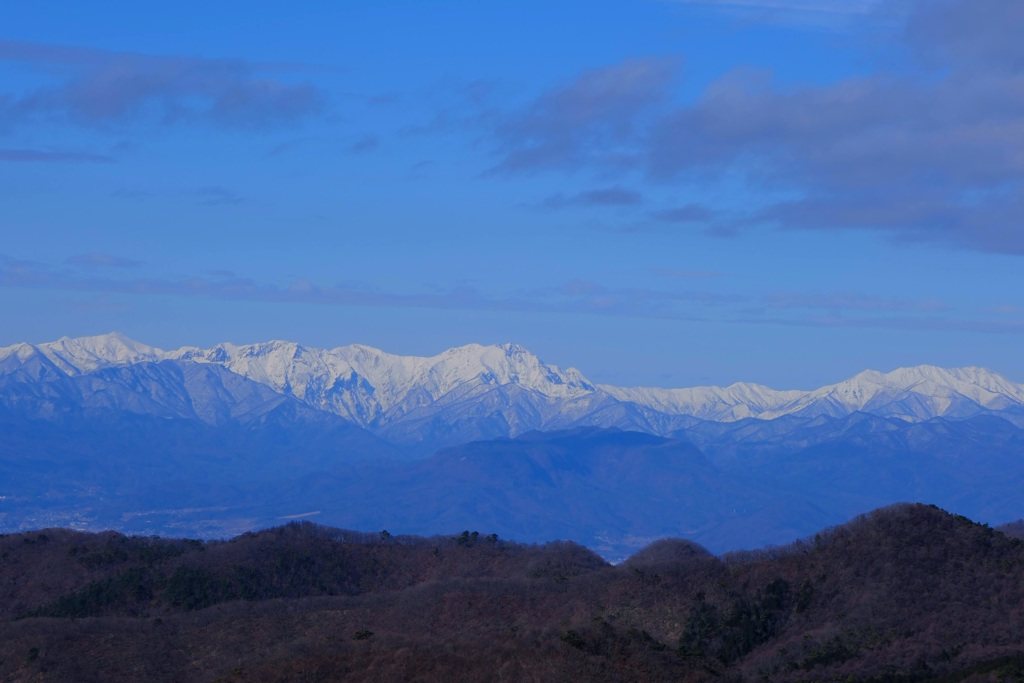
{"x":905,"y":593}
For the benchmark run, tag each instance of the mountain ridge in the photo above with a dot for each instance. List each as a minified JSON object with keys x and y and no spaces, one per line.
{"x":485,"y":391}
{"x":904,"y":593}
{"x":109,"y":431}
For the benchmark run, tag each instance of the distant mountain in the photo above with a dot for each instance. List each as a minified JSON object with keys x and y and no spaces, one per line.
{"x":478,"y":392}
{"x":1013,"y":529}
{"x":104,"y":432}
{"x":614,"y":491}
{"x":106,"y":447}
{"x":168,"y":389}
{"x":611,"y":490}
{"x":849,"y":464}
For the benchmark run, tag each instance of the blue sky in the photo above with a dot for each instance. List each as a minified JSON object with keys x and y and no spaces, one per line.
{"x":657,"y":192}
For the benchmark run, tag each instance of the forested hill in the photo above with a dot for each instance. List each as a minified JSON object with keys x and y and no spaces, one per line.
{"x":904,"y":593}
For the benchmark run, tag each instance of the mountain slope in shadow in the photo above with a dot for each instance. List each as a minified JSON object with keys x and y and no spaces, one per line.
{"x":907,"y":593}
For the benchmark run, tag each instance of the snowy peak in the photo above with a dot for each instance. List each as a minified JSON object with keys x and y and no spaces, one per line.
{"x":85,"y":354}
{"x":913,"y":393}
{"x":395,"y":377}
{"x":318,"y":377}
{"x":107,"y":349}
{"x":363,"y":383}
{"x":721,"y":404}
{"x":511,"y":389}
{"x":512,"y":364}
{"x":978,"y":384}
{"x":284,"y":366}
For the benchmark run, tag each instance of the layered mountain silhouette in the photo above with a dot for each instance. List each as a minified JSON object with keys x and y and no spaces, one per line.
{"x":106,"y":432}
{"x":906,"y":593}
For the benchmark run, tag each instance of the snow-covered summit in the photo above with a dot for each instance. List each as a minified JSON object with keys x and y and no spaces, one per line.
{"x":497,"y":365}
{"x":365,"y":384}
{"x":79,"y":355}
{"x":913,"y":393}
{"x":513,"y":386}
{"x":285,"y":366}
{"x":721,"y":404}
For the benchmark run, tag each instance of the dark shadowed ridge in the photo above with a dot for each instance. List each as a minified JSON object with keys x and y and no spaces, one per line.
{"x":906,"y":593}
{"x":668,"y":551}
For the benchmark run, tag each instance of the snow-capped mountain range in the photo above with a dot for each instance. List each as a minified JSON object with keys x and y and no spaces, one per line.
{"x":477,"y":391}
{"x":106,"y":432}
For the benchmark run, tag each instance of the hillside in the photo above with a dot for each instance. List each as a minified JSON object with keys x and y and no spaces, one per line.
{"x":904,"y":593}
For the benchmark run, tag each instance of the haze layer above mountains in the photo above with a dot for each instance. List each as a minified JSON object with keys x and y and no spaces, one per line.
{"x":106,"y":432}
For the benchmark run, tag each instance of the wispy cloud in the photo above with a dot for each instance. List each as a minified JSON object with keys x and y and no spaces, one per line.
{"x":601,"y":197}
{"x":49,"y":157}
{"x":130,"y":193}
{"x":684,"y":273}
{"x":287,"y":146}
{"x":96,"y":305}
{"x":1005,"y":309}
{"x":593,"y":119}
{"x":905,"y":323}
{"x":216,"y":195}
{"x":576,"y":296}
{"x":97,"y":260}
{"x":421,"y":169}
{"x":688,"y":213}
{"x":814,"y":13}
{"x":363,"y":144}
{"x":579,"y":296}
{"x":933,"y":153}
{"x":103,"y":88}
{"x":827,"y":6}
{"x":851,"y":301}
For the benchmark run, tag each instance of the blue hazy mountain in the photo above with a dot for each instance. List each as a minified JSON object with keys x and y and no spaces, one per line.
{"x":480,"y":392}
{"x":105,"y":432}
